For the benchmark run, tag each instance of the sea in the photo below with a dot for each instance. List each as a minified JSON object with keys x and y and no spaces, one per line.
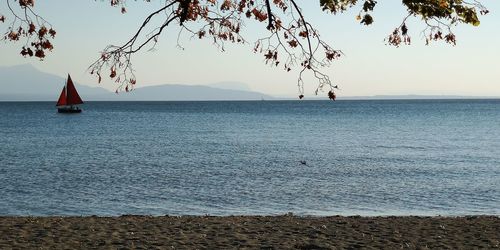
{"x":318,"y":158}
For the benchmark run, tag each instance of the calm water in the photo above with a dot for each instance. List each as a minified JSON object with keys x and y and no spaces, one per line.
{"x":221,"y":158}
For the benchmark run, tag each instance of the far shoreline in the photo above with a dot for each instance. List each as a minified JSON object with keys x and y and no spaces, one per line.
{"x":291,"y":99}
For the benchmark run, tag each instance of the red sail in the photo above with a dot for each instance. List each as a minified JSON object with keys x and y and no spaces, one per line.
{"x":72,"y":96}
{"x":62,"y":98}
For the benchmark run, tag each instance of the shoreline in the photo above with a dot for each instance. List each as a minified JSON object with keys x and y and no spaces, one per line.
{"x":268,"y":232}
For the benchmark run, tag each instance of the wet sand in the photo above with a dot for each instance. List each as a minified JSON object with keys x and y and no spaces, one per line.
{"x":250,"y":232}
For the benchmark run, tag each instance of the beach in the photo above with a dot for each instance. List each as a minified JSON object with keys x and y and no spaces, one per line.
{"x":249,"y":232}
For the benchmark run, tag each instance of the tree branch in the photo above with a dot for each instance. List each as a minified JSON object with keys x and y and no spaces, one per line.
{"x":270,"y":25}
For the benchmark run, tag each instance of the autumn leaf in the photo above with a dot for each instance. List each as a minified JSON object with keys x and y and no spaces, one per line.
{"x":332,"y":95}
{"x":32,"y":28}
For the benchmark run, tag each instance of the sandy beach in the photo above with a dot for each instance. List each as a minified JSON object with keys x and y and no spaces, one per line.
{"x":251,"y":232}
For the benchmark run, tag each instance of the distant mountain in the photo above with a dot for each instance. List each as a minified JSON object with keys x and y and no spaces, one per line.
{"x":231,"y":85}
{"x":26,"y":83}
{"x":176,"y":92}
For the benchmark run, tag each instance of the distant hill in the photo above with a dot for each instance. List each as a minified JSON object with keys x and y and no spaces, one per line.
{"x":176,"y":92}
{"x":231,"y":85}
{"x":26,"y":83}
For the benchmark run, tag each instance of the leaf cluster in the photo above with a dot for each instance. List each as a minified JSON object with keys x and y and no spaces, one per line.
{"x":28,"y":26}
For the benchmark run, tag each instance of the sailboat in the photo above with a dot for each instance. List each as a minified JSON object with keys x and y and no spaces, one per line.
{"x":69,"y":98}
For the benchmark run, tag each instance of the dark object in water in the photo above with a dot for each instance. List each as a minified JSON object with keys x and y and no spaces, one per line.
{"x":70,"y":109}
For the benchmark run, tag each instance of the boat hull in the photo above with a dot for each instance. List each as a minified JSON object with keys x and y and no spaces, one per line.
{"x":69,"y":110}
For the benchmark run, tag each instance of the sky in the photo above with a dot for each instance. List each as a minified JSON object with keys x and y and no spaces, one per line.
{"x":368,"y":68}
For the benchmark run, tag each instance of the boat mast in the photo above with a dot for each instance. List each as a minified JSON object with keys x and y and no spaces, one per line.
{"x":67,"y":99}
{"x":66,"y":89}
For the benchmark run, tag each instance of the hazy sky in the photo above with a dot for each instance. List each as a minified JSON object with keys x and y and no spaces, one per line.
{"x":369,"y":67}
